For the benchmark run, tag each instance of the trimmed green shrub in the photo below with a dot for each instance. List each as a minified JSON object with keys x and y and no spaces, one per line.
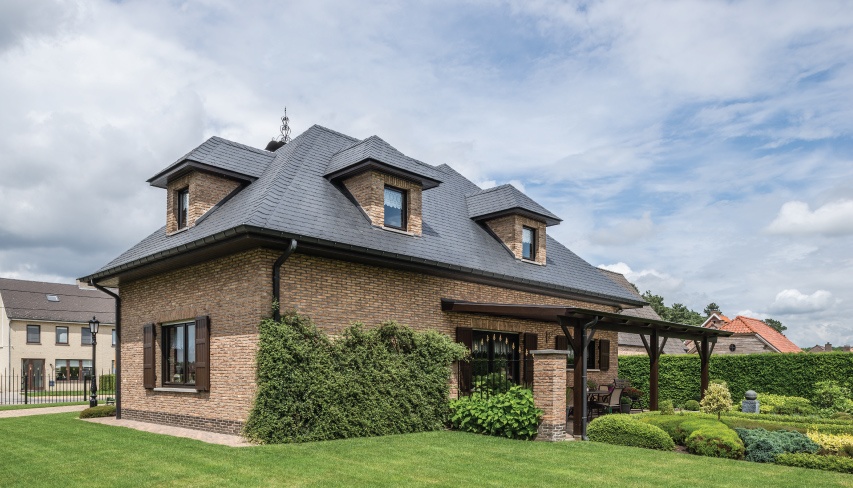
{"x":624,"y":430}
{"x":763,"y":446}
{"x":790,"y":374}
{"x":107,"y":382}
{"x":691,"y":405}
{"x":99,"y":411}
{"x":830,"y":397}
{"x":715,"y":441}
{"x":510,"y":414}
{"x":816,"y":461}
{"x":388,"y":380}
{"x":666,"y":407}
{"x":785,"y":405}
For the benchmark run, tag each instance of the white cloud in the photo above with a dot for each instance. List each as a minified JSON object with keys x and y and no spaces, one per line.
{"x":647,"y":279}
{"x":794,"y":302}
{"x":833,"y":219}
{"x":625,"y":231}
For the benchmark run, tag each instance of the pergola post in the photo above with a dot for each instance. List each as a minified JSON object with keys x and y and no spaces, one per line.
{"x":579,"y":390}
{"x":704,"y":358}
{"x":654,"y":364}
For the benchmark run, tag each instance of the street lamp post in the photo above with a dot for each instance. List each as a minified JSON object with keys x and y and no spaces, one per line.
{"x":93,"y":328}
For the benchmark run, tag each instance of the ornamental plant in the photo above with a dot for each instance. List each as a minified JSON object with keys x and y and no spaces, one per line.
{"x":832,"y":443}
{"x":632,"y":393}
{"x":718,"y":399}
{"x":511,"y":414}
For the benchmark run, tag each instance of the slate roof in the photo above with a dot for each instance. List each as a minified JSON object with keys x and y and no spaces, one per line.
{"x":293,"y":197}
{"x":505,"y":198}
{"x":374,"y":148}
{"x":27,"y":300}
{"x":224,"y":154}
{"x":646,"y":312}
{"x":747,"y":325}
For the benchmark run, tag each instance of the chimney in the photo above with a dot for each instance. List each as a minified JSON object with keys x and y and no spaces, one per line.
{"x":828,"y":347}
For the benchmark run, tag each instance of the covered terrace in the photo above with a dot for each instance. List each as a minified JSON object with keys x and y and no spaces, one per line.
{"x":580,"y":325}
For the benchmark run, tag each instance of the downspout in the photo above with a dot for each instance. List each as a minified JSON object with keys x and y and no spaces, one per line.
{"x":276,"y":279}
{"x":118,"y":344}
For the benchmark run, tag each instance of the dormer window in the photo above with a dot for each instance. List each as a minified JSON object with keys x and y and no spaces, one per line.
{"x":395,"y":208}
{"x":183,"y":207}
{"x":528,"y":243}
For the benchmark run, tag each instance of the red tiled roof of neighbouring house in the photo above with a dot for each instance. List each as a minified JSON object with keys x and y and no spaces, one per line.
{"x":746,"y":325}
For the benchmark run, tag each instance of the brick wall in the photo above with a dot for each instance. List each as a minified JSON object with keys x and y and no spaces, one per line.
{"x":206,"y":190}
{"x":235,"y":293}
{"x":368,"y":189}
{"x":508,"y":230}
{"x":549,"y":395}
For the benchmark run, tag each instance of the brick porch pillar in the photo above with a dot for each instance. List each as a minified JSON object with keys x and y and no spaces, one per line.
{"x":549,"y":392}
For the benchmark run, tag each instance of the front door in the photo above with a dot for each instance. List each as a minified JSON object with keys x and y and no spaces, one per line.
{"x":33,"y":373}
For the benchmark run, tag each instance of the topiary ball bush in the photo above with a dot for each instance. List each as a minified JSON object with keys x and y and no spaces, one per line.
{"x":666,"y":407}
{"x":691,"y":405}
{"x":715,"y":441}
{"x":623,"y":430}
{"x":99,"y":411}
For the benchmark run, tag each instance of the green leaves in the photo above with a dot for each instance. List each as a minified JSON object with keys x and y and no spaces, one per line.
{"x":511,"y":414}
{"x":387,"y":380}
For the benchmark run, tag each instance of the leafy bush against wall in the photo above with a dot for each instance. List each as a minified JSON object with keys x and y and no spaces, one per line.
{"x":510,"y":414}
{"x":790,"y":374}
{"x":388,"y":380}
{"x":624,"y":430}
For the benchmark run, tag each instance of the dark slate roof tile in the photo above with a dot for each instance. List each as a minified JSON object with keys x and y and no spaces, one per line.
{"x":505,"y":198}
{"x":292,"y":196}
{"x":27,"y":300}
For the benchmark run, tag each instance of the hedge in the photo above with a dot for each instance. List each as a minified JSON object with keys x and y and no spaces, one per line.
{"x":790,"y":374}
{"x":624,"y":430}
{"x":99,"y":411}
{"x":389,"y":380}
{"x":816,"y":461}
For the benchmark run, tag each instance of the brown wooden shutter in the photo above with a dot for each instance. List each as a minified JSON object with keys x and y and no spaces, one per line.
{"x":562,"y":343}
{"x":604,"y":354}
{"x":531,"y":343}
{"x":149,"y":378}
{"x":202,"y":353}
{"x":465,"y":335}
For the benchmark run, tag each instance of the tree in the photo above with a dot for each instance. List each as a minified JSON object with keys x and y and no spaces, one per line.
{"x":775,"y":324}
{"x":711,"y":308}
{"x":718,"y":399}
{"x":656,"y":302}
{"x":676,"y":313}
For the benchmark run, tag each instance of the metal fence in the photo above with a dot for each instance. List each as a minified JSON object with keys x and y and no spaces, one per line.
{"x":37,"y":386}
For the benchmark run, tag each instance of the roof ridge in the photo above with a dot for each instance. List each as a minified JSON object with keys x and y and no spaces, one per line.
{"x":333,"y":132}
{"x":240,"y":145}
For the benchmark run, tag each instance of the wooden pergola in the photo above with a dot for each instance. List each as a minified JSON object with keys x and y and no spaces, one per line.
{"x":580,"y":326}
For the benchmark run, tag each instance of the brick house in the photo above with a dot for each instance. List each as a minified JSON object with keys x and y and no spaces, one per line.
{"x":44,"y":331}
{"x":342,"y":230}
{"x":749,"y":336}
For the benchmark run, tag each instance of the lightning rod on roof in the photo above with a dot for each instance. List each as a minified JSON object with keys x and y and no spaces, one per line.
{"x":284,"y":138}
{"x":285,"y":128}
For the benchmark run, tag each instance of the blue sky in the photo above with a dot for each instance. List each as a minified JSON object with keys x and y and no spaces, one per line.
{"x":701,"y":148}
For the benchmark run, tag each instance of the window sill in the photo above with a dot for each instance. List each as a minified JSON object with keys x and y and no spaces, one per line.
{"x":62,"y":344}
{"x":588,"y":370}
{"x":177,"y":390}
{"x":182,"y":229}
{"x":397,"y":231}
{"x":529,"y":261}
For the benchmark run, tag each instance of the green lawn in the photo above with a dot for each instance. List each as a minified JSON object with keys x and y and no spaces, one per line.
{"x":54,"y":450}
{"x":40,"y":405}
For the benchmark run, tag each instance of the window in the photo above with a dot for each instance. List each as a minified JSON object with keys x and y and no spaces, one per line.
{"x":73,"y":369}
{"x":183,"y":207}
{"x":33,"y":334}
{"x":52,"y":298}
{"x":528,"y":243}
{"x":114,"y":337}
{"x":395,"y":208}
{"x":495,"y":355}
{"x":87,"y":337}
{"x":179,"y":349}
{"x":62,"y":335}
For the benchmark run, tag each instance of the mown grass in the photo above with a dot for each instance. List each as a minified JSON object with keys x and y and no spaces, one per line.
{"x":54,"y":450}
{"x":40,"y":405}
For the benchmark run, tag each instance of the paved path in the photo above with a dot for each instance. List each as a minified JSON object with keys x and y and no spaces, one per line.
{"x":199,"y":435}
{"x":40,"y":411}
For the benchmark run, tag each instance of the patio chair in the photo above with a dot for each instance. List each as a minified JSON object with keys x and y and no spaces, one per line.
{"x":609,"y":402}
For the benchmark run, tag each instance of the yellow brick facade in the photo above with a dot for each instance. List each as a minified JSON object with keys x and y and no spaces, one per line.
{"x":235,"y":292}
